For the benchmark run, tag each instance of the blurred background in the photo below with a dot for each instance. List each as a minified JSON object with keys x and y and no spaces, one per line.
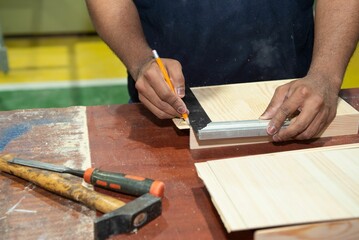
{"x":50,"y":56}
{"x":55,"y":58}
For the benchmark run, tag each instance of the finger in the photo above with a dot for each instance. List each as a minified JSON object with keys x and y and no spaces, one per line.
{"x":157,"y":99}
{"x":166,"y":94}
{"x":298,"y":130}
{"x":305,"y":125}
{"x":321,"y":121}
{"x":312,"y":130}
{"x":175,"y":102}
{"x":283,"y":112}
{"x":156,"y":79}
{"x":155,"y":110}
{"x":157,"y":93}
{"x":148,"y":95}
{"x":177,"y":78}
{"x":289,"y":106}
{"x":278,"y":98}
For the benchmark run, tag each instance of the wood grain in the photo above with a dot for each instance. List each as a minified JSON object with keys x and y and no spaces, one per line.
{"x":334,"y":230}
{"x":247,"y":101}
{"x":233,"y":102}
{"x":284,"y":188}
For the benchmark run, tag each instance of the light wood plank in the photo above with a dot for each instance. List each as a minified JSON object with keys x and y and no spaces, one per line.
{"x":180,"y":123}
{"x":343,"y":230}
{"x":247,"y":101}
{"x":232,"y":102}
{"x":284,"y":188}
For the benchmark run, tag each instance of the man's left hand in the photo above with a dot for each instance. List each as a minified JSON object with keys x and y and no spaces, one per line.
{"x":313,"y":97}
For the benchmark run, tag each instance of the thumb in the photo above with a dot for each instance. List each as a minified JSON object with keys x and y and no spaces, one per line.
{"x":175,"y":71}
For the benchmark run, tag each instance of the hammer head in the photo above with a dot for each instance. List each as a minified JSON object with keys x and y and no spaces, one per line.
{"x":128,"y":218}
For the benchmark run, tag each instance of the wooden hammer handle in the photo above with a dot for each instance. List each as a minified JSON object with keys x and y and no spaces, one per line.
{"x":59,"y":184}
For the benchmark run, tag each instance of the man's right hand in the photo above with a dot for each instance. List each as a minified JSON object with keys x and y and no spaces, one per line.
{"x":118,"y":23}
{"x":154,"y":92}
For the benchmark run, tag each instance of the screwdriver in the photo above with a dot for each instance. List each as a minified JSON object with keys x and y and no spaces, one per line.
{"x":118,"y":182}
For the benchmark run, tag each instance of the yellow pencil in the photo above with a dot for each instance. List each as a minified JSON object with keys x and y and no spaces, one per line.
{"x":167,"y":78}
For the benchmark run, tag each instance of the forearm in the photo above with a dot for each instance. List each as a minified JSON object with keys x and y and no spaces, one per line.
{"x":118,"y":24}
{"x":336,"y":36}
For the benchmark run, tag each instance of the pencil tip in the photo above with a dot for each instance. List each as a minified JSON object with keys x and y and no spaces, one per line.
{"x":186,"y":120}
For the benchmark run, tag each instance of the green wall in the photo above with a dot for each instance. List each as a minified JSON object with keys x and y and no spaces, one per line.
{"x":18,"y":17}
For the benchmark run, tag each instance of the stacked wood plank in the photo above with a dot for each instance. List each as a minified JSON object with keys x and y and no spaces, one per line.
{"x":286,"y":188}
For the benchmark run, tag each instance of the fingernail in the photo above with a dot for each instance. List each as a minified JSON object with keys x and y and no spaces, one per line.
{"x":271,"y":129}
{"x":180,"y":91}
{"x":182,"y":110}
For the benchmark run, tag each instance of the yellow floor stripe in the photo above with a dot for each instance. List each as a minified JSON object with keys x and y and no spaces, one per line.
{"x":58,"y":59}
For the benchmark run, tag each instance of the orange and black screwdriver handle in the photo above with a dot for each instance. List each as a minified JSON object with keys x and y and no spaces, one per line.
{"x":128,"y":184}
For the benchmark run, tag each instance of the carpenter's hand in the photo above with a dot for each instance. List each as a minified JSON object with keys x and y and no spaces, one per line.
{"x":154,"y":92}
{"x":314,"y":97}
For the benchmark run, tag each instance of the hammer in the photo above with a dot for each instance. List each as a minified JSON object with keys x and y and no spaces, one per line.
{"x":119,"y":217}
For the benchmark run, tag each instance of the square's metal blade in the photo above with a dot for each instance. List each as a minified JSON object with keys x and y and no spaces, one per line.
{"x":198,"y":118}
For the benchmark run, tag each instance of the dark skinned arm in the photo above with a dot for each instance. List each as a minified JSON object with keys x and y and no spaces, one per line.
{"x":118,"y":24}
{"x":315,"y":96}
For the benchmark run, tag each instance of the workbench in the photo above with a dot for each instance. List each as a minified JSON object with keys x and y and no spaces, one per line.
{"x":128,"y":138}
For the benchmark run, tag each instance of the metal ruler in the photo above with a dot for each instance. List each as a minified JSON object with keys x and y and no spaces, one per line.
{"x":235,"y":129}
{"x":205,"y":129}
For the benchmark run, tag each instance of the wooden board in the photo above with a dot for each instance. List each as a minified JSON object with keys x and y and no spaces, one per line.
{"x":247,"y":101}
{"x":180,"y":123}
{"x":285,"y":188}
{"x":333,"y":230}
{"x":57,"y":136}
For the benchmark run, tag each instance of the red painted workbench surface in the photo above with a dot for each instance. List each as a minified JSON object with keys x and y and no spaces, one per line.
{"x":130,"y":139}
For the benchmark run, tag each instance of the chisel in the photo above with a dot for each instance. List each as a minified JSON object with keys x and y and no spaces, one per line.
{"x":118,"y":182}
